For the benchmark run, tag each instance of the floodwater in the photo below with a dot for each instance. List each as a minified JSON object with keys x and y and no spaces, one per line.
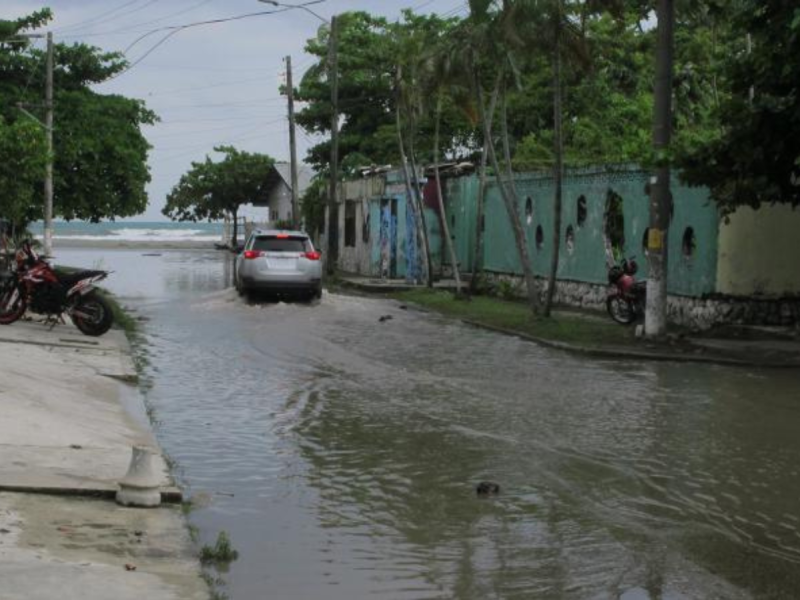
{"x":341,"y":453}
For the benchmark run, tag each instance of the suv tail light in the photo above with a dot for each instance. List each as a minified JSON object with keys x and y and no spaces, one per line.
{"x":251,"y":254}
{"x":313,"y":255}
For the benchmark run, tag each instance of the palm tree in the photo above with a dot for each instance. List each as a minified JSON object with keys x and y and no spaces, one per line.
{"x":409,"y":109}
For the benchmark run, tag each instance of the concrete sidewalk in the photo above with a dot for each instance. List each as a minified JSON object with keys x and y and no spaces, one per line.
{"x":68,"y":421}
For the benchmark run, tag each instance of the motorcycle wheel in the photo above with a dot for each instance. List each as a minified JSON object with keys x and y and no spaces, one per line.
{"x":12,"y":304}
{"x":92,"y":315}
{"x":621,"y":310}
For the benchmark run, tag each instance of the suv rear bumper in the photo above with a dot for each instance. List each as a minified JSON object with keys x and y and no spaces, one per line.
{"x":309,"y":285}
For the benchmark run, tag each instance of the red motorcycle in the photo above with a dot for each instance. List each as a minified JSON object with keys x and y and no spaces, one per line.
{"x":34,"y":285}
{"x":626,"y":303}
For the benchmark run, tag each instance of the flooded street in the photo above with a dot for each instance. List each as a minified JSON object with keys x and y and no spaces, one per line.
{"x":341,"y":453}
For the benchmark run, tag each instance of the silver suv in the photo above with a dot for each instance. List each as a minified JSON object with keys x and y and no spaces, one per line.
{"x":281,"y":262}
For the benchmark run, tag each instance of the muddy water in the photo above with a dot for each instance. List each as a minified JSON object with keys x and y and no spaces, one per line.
{"x":341,"y":453}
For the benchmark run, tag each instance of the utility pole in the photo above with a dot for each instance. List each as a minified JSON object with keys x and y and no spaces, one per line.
{"x":48,"y":122}
{"x":655,"y":322}
{"x":292,"y":145}
{"x":333,"y":204}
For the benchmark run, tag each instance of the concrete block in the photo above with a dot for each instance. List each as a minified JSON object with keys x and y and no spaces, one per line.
{"x":140,"y":486}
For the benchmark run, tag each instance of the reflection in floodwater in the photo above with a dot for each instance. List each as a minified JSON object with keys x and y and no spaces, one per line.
{"x":341,"y":453}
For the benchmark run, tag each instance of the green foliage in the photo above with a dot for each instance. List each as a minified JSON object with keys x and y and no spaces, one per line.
{"x":221,"y":553}
{"x":23,"y":155}
{"x":210,"y":189}
{"x":313,"y":204}
{"x":369,"y":49}
{"x":100,"y":169}
{"x":755,"y":157}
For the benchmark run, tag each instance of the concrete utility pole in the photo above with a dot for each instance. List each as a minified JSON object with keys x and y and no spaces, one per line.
{"x":655,"y":322}
{"x":48,"y":122}
{"x":333,"y":204}
{"x":292,"y":145}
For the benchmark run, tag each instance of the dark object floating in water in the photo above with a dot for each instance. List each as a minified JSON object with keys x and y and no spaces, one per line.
{"x":487,"y":488}
{"x":403,"y":307}
{"x":152,"y":254}
{"x":385,"y":318}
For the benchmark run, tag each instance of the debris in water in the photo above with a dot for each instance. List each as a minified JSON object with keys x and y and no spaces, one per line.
{"x":385,"y":318}
{"x":130,"y":567}
{"x":487,"y":488}
{"x":76,"y":446}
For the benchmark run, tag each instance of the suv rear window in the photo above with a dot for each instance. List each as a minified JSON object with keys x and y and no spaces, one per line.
{"x":270,"y":243}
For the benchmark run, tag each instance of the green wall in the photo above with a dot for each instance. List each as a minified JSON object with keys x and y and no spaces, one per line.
{"x":693,"y":275}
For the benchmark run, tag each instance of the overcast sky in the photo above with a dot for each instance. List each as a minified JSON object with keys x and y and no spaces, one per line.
{"x":210,"y":85}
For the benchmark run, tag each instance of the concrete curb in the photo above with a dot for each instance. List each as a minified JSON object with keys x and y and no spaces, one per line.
{"x":169,"y":495}
{"x":630,"y":354}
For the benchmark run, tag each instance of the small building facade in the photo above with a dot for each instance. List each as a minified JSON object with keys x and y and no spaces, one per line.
{"x":741,"y":269}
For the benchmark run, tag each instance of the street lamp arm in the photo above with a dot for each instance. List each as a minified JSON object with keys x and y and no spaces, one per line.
{"x":304,"y":7}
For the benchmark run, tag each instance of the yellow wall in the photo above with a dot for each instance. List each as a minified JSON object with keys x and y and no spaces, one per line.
{"x":759,"y":252}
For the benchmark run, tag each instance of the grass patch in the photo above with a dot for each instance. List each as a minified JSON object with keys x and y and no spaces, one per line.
{"x":122,"y":318}
{"x":221,"y":553}
{"x":564,"y":326}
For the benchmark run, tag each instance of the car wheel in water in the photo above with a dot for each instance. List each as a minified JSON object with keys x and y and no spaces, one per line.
{"x":92,"y":315}
{"x":621,"y":310}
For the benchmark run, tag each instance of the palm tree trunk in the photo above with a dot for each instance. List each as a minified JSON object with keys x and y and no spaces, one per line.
{"x":411,"y":203}
{"x":477,"y":257}
{"x":506,"y":141}
{"x":513,"y":215}
{"x":445,"y":226}
{"x":558,"y":168}
{"x":422,"y":225}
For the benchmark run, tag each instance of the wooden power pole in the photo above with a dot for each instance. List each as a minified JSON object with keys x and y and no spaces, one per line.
{"x":655,"y":322}
{"x":333,"y":204}
{"x":296,"y":219}
{"x":48,"y":123}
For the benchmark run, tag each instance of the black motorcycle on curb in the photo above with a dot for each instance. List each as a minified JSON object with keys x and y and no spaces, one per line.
{"x":34,"y":286}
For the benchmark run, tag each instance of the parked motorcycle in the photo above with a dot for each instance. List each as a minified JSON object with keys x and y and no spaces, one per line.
{"x":34,"y":285}
{"x":626,"y":303}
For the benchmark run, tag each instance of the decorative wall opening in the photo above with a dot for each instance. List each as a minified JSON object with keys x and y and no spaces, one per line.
{"x":529,"y":210}
{"x":350,"y":224}
{"x":569,"y":240}
{"x":582,"y":211}
{"x":614,"y":224}
{"x":539,"y":238}
{"x":689,"y":243}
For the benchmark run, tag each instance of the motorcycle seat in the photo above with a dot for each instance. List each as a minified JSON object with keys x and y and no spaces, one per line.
{"x":70,"y":279}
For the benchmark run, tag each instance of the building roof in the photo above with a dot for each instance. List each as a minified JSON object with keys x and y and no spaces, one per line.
{"x":304,"y":176}
{"x":282,"y":173}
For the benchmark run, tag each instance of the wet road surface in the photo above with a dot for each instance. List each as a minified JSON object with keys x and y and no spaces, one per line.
{"x":341,"y":453}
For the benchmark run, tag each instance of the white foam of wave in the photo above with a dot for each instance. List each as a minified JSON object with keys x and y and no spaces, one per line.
{"x":145,"y":235}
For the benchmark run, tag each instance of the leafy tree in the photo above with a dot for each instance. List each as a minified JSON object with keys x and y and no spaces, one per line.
{"x":367,"y":56}
{"x":23,"y":155}
{"x":755,"y":159}
{"x":211,"y":190}
{"x":100,"y":169}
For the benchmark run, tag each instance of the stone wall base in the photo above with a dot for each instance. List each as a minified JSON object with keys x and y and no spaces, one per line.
{"x":695,"y":313}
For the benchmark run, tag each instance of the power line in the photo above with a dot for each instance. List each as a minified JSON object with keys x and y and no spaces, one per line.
{"x":174,"y":29}
{"x":208,"y":87}
{"x":94,"y":19}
